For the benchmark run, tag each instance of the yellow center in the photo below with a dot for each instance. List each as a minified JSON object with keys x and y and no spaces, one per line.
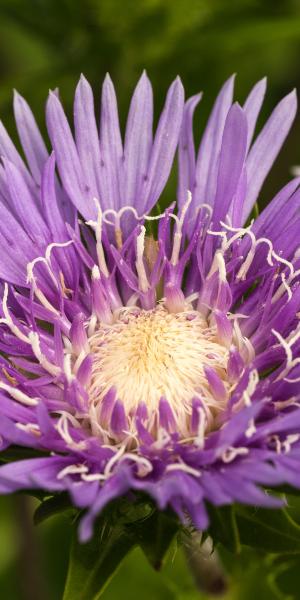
{"x":147,"y":355}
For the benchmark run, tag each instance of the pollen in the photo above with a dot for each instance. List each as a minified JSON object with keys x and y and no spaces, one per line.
{"x":147,"y":355}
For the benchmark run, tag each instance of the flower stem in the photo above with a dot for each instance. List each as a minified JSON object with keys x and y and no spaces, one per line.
{"x":205,"y":565}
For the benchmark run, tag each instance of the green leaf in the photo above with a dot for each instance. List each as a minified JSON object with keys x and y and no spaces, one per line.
{"x":252,"y":574}
{"x":272,"y":531}
{"x":155,"y":534}
{"x":14,"y":453}
{"x":52,"y":506}
{"x":223,"y":527}
{"x":92,"y":565}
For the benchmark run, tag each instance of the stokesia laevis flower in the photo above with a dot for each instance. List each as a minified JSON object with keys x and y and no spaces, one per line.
{"x":155,"y":354}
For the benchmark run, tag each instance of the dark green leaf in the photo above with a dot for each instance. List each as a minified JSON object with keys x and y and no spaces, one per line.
{"x":253,"y":574}
{"x":154,"y":535}
{"x":52,"y":506}
{"x":223,"y":527}
{"x":268,"y":530}
{"x":14,"y":453}
{"x":92,"y":565}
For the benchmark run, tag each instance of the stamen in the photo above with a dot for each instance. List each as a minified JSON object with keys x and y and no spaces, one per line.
{"x":251,"y":387}
{"x":183,"y":467}
{"x":231,"y":453}
{"x":46,"y":364}
{"x":62,"y":428}
{"x":32,"y":280}
{"x":72,"y":470}
{"x":178,"y":232}
{"x":140,"y":267}
{"x":18,"y":395}
{"x":97,"y":226}
{"x":8,"y":320}
{"x":158,"y":354}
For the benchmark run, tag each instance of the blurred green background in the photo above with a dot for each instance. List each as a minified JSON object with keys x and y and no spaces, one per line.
{"x":48,"y":43}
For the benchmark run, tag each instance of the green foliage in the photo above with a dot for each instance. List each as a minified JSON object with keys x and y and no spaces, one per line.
{"x":92,"y":564}
{"x":47,"y":43}
{"x":54,"y":505}
{"x":274,"y":531}
{"x":117,"y":531}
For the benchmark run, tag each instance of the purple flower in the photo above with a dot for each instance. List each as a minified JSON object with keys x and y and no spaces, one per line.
{"x":149,"y":353}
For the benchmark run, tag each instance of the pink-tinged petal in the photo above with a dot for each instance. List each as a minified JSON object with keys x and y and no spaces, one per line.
{"x":138,"y":139}
{"x":67,"y":158}
{"x":267,"y":146}
{"x":234,"y":143}
{"x":164,"y":147}
{"x":111,"y":148}
{"x":33,"y":144}
{"x":186,"y":150}
{"x":208,"y":155}
{"x":253,"y":105}
{"x":86,"y":136}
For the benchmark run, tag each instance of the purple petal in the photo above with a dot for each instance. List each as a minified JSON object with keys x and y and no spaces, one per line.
{"x":24,"y":205}
{"x":8,"y":150}
{"x":267,"y":146}
{"x":67,"y":158}
{"x":267,"y":220}
{"x":138,"y":139}
{"x":186,"y":150}
{"x":50,"y":205}
{"x":233,"y":144}
{"x":33,"y":144}
{"x":86,"y":135}
{"x":33,"y":473}
{"x":208,"y":155}
{"x":253,"y":105}
{"x":164,"y":147}
{"x":111,"y":148}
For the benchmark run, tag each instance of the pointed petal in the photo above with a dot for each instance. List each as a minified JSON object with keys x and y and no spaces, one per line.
{"x":238,"y":201}
{"x":24,"y":205}
{"x":33,"y":473}
{"x":207,"y":160}
{"x":186,"y":150}
{"x":51,"y":209}
{"x":267,"y":146}
{"x":232,"y":158}
{"x":138,"y":139}
{"x":86,"y":135}
{"x":111,"y":148}
{"x":67,"y":158}
{"x":267,"y":219}
{"x":253,"y":105}
{"x":32,"y":142}
{"x":164,"y":147}
{"x":8,"y":149}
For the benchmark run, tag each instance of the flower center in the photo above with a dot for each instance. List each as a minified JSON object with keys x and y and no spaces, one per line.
{"x":161,"y":361}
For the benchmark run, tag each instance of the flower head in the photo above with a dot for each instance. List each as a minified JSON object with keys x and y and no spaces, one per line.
{"x":140,"y":352}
